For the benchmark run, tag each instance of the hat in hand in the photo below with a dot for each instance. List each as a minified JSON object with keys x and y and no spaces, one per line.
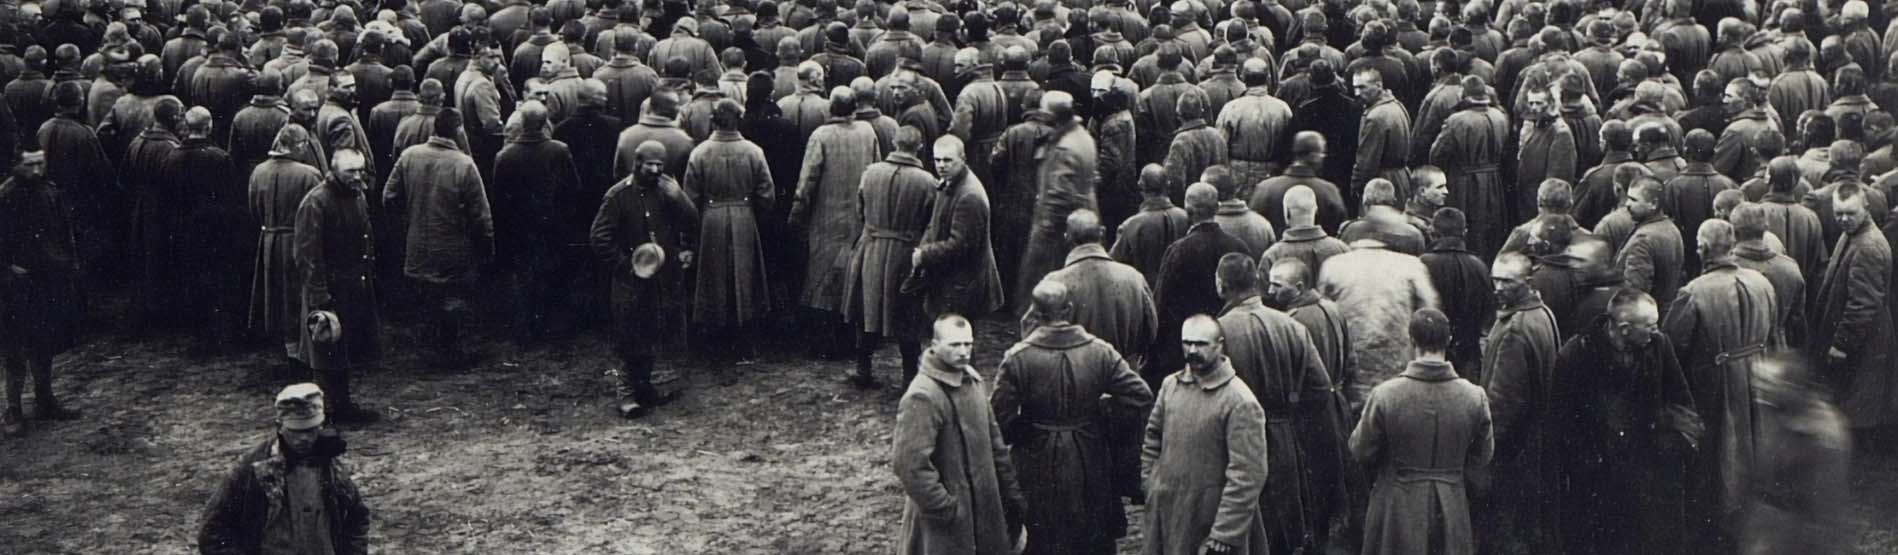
{"x":646,"y":260}
{"x":325,"y":327}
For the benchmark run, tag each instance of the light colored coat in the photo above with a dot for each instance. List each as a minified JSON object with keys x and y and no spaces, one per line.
{"x":1419,"y":433}
{"x":949,"y":457}
{"x":1377,"y":289}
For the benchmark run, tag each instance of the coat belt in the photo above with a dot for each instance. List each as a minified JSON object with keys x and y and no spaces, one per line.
{"x":1407,"y":474}
{"x":874,"y":232}
{"x":1059,"y":427}
{"x":728,"y":203}
{"x":275,"y":229}
{"x":1741,"y":353}
{"x":1485,"y":168}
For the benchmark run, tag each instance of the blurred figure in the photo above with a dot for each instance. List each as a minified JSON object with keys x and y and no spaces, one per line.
{"x":1801,"y":473}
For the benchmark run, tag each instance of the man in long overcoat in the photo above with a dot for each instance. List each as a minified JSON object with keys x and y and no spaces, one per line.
{"x":1184,"y":284}
{"x":1274,"y":356}
{"x":1460,"y":278}
{"x":216,"y":241}
{"x":1852,"y":320}
{"x":83,"y":171}
{"x":1519,"y":509}
{"x":1204,"y":457}
{"x":1112,"y":125}
{"x":1068,"y":173}
{"x":730,"y":181}
{"x":1016,"y":193}
{"x":1049,"y":402}
{"x":1257,"y":126}
{"x":1796,"y":226}
{"x":1112,"y":300}
{"x":277,"y":188}
{"x":1622,"y":398}
{"x":1650,"y":260}
{"x":961,"y":495}
{"x":1419,"y":433}
{"x":646,"y":208}
{"x":895,"y":200}
{"x":827,"y":201}
{"x":1545,"y":150}
{"x":1383,"y":141}
{"x":1720,"y":325}
{"x":1751,"y":251}
{"x":535,"y":179}
{"x":437,"y":192}
{"x":981,"y":113}
{"x":955,"y":264}
{"x":158,"y":217}
{"x":41,"y":288}
{"x":1688,"y":198}
{"x":336,"y":257}
{"x":1338,"y":487}
{"x":1378,"y":289}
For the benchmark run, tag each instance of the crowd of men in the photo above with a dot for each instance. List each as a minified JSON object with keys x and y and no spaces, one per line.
{"x":1548,"y":275}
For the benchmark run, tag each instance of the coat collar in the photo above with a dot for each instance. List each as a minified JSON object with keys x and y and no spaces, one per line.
{"x":1530,"y":301}
{"x":1304,"y":232}
{"x":1450,"y":244}
{"x":904,"y":159}
{"x":1058,"y":336}
{"x":1300,"y":169}
{"x":1089,"y":251}
{"x":1430,"y":371}
{"x":1207,"y":226}
{"x":945,"y":375}
{"x":1232,"y":207}
{"x":1251,"y":303}
{"x":1222,"y":374}
{"x":1754,"y":250}
{"x":1156,"y":204}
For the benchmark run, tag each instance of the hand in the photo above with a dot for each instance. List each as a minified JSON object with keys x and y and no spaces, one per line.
{"x":17,"y":270}
{"x":1214,"y":547}
{"x":685,"y":259}
{"x":1835,"y":356}
{"x":916,"y":258}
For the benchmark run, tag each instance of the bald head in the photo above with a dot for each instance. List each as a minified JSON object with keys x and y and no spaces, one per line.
{"x":1301,"y":206}
{"x":1084,"y":228}
{"x":1153,"y":179}
{"x":1052,"y":301}
{"x":1716,"y":239}
{"x":1202,"y":201}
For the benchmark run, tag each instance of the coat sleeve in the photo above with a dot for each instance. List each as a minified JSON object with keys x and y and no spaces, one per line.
{"x":310,"y":257}
{"x":1014,"y":506}
{"x":1370,"y":154}
{"x":1562,"y":152}
{"x":1175,"y":163}
{"x":1867,"y":281}
{"x":963,"y":123}
{"x":916,"y":425}
{"x":1483,"y":441}
{"x":1151,"y":439}
{"x":600,"y":235}
{"x":809,"y":178}
{"x":968,"y":230}
{"x":684,"y":212}
{"x":480,"y":217}
{"x":1367,"y":440}
{"x":354,"y":528}
{"x":1637,"y":265}
{"x":221,"y":529}
{"x":1509,"y":382}
{"x":395,"y":189}
{"x":1004,"y":401}
{"x":1245,"y":474}
{"x":1126,"y":387}
{"x":1729,"y":152}
{"x":1445,"y":148}
{"x":763,"y":190}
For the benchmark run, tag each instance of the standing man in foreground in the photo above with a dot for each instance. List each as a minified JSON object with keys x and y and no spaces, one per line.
{"x":949,"y":456}
{"x":640,"y":234}
{"x":1419,"y":432}
{"x":1205,"y":439}
{"x":954,"y":264}
{"x":292,"y":494}
{"x":40,"y":280}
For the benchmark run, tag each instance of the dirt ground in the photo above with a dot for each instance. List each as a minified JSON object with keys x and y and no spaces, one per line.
{"x":519,"y":455}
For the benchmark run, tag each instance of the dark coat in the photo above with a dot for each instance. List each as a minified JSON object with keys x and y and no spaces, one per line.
{"x":1854,"y":315}
{"x":628,"y":83}
{"x":1462,"y":283}
{"x":1800,"y":230}
{"x":1621,"y":443}
{"x":1543,"y":152}
{"x":1142,"y":240}
{"x":255,"y":492}
{"x":1789,"y":289}
{"x":1275,"y":356}
{"x":1067,"y":173}
{"x":1518,"y":360}
{"x":1419,"y":433}
{"x":1014,"y":192}
{"x":1720,"y":325}
{"x":216,"y":241}
{"x":631,"y":215}
{"x":277,"y":188}
{"x":42,"y":307}
{"x":1112,"y":301}
{"x":957,"y":263}
{"x":335,"y":254}
{"x":159,"y":220}
{"x":1204,"y":465}
{"x":78,"y":164}
{"x":255,"y":127}
{"x":1048,"y":402}
{"x":592,"y":136}
{"x":960,"y":487}
{"x":437,"y":190}
{"x":1335,"y":114}
{"x":1193,"y":147}
{"x":222,"y":85}
{"x":1184,"y":287}
{"x":1651,"y":260}
{"x":1268,"y":198}
{"x":895,"y":203}
{"x":1688,"y":200}
{"x":534,"y":182}
{"x":1383,"y":146}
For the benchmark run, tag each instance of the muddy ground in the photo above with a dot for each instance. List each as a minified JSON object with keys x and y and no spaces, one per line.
{"x":519,"y":455}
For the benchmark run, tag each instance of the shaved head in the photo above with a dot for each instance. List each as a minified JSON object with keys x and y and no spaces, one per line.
{"x":1202,"y":201}
{"x":1301,"y":206}
{"x":1084,"y":227}
{"x":1716,"y":238}
{"x":1051,"y":300}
